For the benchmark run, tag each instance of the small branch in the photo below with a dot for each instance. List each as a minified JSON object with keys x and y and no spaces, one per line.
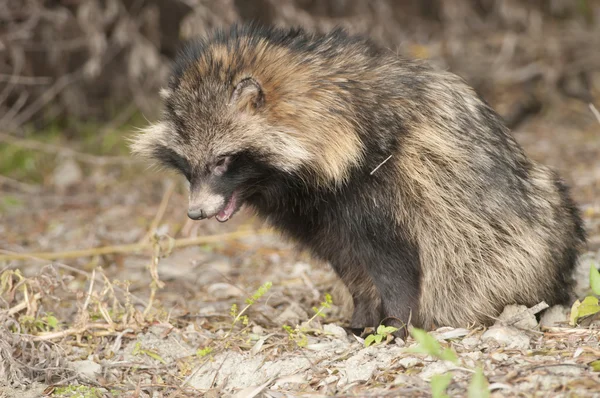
{"x":22,"y":305}
{"x":153,"y":268}
{"x":14,"y":110}
{"x":380,"y":164}
{"x":160,"y":213}
{"x":47,"y":96}
{"x":560,"y":331}
{"x":530,"y":311}
{"x":8,"y":255}
{"x":88,"y":275}
{"x":106,"y":331}
{"x":90,"y":290}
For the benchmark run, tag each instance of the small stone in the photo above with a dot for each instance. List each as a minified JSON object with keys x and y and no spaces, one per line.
{"x":499,"y":357}
{"x":470,"y":342}
{"x":330,"y":379}
{"x":335,"y":330}
{"x":507,"y":336}
{"x":528,"y":320}
{"x":258,"y":330}
{"x":86,"y":368}
{"x":321,"y":347}
{"x":223,"y":291}
{"x":409,"y":362}
{"x":286,"y":382}
{"x":474,"y":355}
{"x":274,"y":258}
{"x":554,"y":316}
{"x":403,"y":379}
{"x":159,"y":330}
{"x":471,"y":359}
{"x":435,"y":368}
{"x":291,"y":315}
{"x":565,"y":370}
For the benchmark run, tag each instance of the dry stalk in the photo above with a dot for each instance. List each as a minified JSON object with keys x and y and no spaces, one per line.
{"x":560,"y":331}
{"x":153,"y":267}
{"x":160,"y":213}
{"x":530,"y":311}
{"x":88,"y":275}
{"x":106,"y":330}
{"x":134,"y":247}
{"x":89,"y":295}
{"x":22,"y":305}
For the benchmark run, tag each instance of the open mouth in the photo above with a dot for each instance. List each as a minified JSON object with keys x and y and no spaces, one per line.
{"x":232,"y":205}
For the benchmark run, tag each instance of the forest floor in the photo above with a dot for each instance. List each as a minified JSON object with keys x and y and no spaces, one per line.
{"x":161,"y":306}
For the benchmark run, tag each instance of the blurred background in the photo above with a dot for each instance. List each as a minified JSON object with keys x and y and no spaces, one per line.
{"x":78,"y":77}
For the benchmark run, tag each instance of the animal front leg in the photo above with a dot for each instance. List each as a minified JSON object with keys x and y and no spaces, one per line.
{"x":399,"y":287}
{"x":365,"y":296}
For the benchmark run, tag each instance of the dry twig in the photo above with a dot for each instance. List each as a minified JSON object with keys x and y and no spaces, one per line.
{"x":135,"y":247}
{"x":530,"y":311}
{"x":160,"y":213}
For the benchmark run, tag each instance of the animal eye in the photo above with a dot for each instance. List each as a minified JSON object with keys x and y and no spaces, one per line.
{"x":221,"y":162}
{"x":221,"y":165}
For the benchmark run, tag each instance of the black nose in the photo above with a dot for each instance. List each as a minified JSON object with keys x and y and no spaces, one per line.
{"x":196,"y":214}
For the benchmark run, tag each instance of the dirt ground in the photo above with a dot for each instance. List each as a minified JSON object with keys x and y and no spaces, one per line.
{"x":105,"y":323}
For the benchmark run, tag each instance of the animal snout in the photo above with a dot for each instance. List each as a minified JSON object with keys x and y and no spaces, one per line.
{"x":196,"y":213}
{"x":204,"y":203}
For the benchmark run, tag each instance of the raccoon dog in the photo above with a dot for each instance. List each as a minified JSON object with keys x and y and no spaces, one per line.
{"x":394,"y":172}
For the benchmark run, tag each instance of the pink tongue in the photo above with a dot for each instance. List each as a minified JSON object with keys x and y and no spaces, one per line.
{"x":228,"y":210}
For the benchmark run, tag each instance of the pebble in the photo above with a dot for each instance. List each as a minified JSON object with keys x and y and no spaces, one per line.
{"x":86,"y":368}
{"x":435,"y":368}
{"x":527,"y":322}
{"x":258,"y":330}
{"x":335,"y":330}
{"x":554,"y":316}
{"x":223,"y":291}
{"x":409,"y":362}
{"x":470,"y":342}
{"x":500,"y":357}
{"x":507,"y":336}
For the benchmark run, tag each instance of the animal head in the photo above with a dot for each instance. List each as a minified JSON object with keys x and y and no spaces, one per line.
{"x":242,"y":107}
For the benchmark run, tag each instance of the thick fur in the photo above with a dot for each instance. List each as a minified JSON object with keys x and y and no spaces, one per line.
{"x":455,"y":225}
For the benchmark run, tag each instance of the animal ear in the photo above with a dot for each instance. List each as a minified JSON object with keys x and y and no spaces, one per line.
{"x":247,"y":95}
